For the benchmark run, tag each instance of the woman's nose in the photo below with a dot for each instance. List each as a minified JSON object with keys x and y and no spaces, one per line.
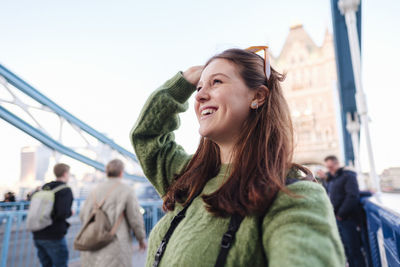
{"x":202,"y":95}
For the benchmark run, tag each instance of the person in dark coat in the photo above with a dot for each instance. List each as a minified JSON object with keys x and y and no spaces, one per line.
{"x":342,"y":188}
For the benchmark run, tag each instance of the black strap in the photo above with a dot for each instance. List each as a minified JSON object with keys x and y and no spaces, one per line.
{"x":290,"y":181}
{"x":174,"y":223}
{"x":228,"y":238}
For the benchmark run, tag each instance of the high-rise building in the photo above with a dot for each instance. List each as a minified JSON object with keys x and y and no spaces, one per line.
{"x":34,"y":163}
{"x":390,"y":180}
{"x":310,"y":89}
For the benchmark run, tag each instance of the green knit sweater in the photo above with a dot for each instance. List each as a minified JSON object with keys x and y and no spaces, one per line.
{"x":294,"y":232}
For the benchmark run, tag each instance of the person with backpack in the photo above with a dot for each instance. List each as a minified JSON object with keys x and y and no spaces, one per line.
{"x":109,"y":216}
{"x":239,"y":200}
{"x":47,"y":218}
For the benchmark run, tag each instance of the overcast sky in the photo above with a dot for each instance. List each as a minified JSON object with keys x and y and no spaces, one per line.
{"x":100,"y":60}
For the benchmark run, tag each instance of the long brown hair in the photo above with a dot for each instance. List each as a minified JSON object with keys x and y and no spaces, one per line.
{"x":262,"y":155}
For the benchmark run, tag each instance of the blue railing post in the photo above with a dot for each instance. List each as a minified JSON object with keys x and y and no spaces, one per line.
{"x":24,"y":236}
{"x":154,"y":215}
{"x":6,"y":241}
{"x":78,"y":206}
{"x":14,"y":249}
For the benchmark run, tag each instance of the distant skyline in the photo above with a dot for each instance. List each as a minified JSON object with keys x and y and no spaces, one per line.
{"x":101,"y":61}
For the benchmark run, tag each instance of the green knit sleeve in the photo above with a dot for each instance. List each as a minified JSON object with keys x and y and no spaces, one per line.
{"x":152,"y":136}
{"x":302,"y":231}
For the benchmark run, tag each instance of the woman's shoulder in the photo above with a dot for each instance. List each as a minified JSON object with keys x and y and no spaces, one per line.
{"x":303,"y":195}
{"x":306,"y":188}
{"x":306,"y":205}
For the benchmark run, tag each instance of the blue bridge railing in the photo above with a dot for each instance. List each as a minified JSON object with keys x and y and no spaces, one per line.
{"x":16,"y":243}
{"x":17,"y":249}
{"x":7,"y":206}
{"x":383,"y":234}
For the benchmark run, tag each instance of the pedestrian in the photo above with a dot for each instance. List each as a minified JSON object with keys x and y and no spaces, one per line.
{"x":50,"y":242}
{"x":343,"y":191}
{"x":239,"y":200}
{"x":119,"y":201}
{"x":9,"y":197}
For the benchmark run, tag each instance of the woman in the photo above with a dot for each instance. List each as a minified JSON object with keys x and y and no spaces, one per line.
{"x":242,"y":169}
{"x":123,"y":210}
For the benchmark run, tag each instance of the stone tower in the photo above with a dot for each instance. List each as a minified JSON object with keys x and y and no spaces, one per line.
{"x":310,"y":89}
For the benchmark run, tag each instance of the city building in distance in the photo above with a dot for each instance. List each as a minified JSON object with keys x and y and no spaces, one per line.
{"x":310,"y":89}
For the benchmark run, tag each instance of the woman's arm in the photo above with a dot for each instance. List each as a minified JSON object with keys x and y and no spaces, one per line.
{"x":302,"y":231}
{"x":152,"y":137}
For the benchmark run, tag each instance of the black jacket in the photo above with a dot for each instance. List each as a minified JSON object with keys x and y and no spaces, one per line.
{"x":61,"y":211}
{"x":344,"y":193}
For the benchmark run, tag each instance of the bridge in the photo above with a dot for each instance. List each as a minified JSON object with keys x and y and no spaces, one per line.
{"x":382,"y":226}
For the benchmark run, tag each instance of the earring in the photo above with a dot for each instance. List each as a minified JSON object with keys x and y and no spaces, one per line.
{"x":254,"y":105}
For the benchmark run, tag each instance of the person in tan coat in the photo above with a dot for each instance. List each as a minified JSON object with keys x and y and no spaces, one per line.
{"x":120,"y":199}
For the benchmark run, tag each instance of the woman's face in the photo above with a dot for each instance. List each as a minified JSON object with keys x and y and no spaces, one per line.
{"x":222,"y":102}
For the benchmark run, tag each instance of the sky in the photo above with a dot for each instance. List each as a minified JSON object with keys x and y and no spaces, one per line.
{"x":100,"y":60}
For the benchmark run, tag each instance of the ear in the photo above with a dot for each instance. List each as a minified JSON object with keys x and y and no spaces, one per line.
{"x":261,"y":95}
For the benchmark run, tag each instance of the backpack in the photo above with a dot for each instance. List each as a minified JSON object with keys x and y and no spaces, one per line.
{"x":97,"y":231}
{"x":41,"y":208}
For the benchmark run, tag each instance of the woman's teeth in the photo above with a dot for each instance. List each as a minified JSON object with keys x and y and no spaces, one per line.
{"x":208,"y":111}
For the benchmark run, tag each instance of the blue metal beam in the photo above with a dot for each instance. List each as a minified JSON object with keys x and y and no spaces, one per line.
{"x":347,"y":88}
{"x":35,"y":94}
{"x":53,"y":144}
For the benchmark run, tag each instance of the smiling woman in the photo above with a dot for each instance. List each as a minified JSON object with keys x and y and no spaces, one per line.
{"x":239,"y":200}
{"x":249,"y":124}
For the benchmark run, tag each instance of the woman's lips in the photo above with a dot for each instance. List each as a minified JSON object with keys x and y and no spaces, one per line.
{"x":207,"y":111}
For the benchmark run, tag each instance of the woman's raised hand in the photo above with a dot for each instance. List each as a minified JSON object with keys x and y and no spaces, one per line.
{"x":193,"y":74}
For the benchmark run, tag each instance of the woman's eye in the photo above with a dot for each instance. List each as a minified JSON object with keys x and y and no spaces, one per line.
{"x":198,"y":88}
{"x":216,"y":81}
